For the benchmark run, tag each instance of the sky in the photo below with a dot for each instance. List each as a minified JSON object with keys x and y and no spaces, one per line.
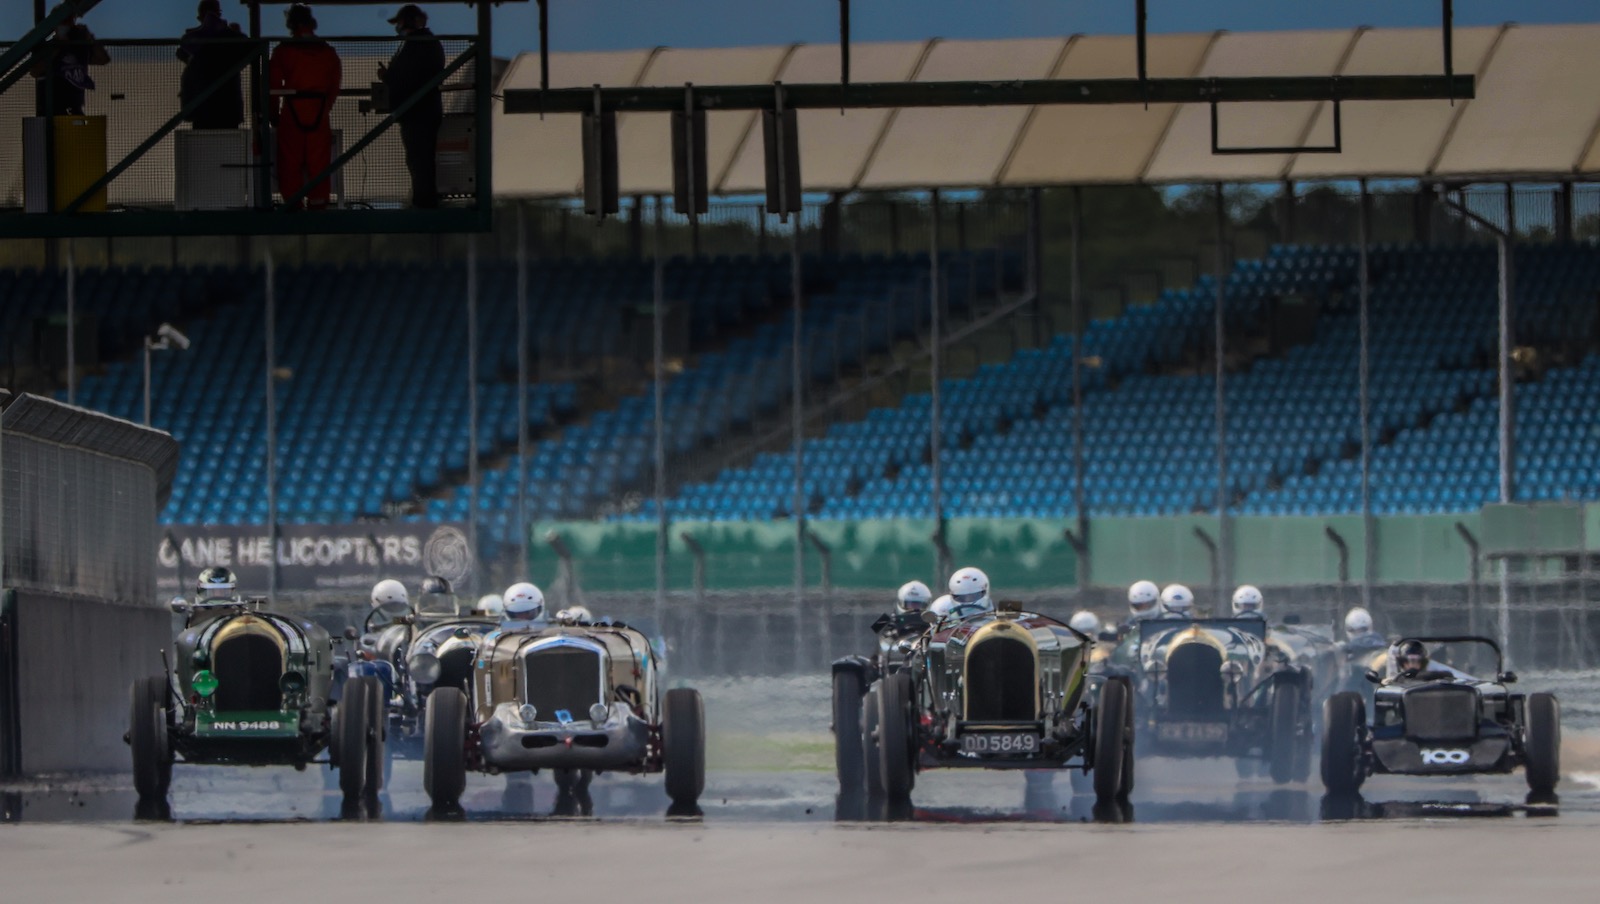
{"x":620,"y":24}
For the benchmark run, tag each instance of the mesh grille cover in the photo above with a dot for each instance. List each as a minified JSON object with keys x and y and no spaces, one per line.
{"x":1442,"y":714}
{"x":562,"y":678}
{"x":1000,"y":681}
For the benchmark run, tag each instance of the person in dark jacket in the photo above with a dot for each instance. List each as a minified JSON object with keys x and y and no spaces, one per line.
{"x":61,"y":68}
{"x":419,"y":59}
{"x":207,"y":56}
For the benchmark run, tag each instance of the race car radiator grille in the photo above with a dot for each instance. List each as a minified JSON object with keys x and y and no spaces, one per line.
{"x":455,"y":668}
{"x":1442,"y":714}
{"x":1194,"y":680}
{"x":563,"y":679}
{"x":1002,"y":681}
{"x":247,"y":668}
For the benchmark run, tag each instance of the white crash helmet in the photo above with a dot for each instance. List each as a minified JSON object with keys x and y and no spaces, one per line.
{"x":942,"y":606}
{"x":389,"y":593}
{"x":1143,"y":598}
{"x":970,"y":587}
{"x":491,"y":604}
{"x":1178,"y":600}
{"x":913,"y":597}
{"x":523,"y":602}
{"x":1247,"y":600}
{"x":1085,"y":622}
{"x":1357,"y":622}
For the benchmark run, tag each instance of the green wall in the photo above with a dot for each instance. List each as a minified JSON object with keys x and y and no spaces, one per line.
{"x":1033,"y":554}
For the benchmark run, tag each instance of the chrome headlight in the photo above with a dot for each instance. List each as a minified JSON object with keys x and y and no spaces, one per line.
{"x":424,"y":668}
{"x":528,"y":713}
{"x":598,"y":714}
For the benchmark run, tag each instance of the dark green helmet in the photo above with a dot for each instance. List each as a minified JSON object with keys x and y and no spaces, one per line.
{"x":215,"y":581}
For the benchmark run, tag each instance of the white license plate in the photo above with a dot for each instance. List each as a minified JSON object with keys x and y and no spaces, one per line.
{"x":1000,"y":742}
{"x":1192,"y":732}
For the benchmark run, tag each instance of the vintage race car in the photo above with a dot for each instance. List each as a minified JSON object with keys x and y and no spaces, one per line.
{"x":1219,"y":687}
{"x":1441,"y":722}
{"x":996,"y":689}
{"x":250,"y":687}
{"x":424,"y":647}
{"x":896,"y":637}
{"x":577,"y":699}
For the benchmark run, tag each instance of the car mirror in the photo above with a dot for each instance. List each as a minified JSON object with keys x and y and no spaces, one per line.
{"x":930,"y":616}
{"x":1009,"y":606}
{"x":179,"y":605}
{"x":1374,"y":677}
{"x":1508,"y":677}
{"x":350,"y":633}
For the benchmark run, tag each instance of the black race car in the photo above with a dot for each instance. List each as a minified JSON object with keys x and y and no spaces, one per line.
{"x":1440,"y":720}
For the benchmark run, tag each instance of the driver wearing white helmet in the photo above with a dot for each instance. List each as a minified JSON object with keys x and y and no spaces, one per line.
{"x":1177,"y":601}
{"x":912,"y":597}
{"x":575,"y":615}
{"x":524,"y":607}
{"x":969,"y":587}
{"x":942,"y":606}
{"x":1359,"y":633}
{"x":1085,"y":622}
{"x":1247,"y":603}
{"x":1144,"y":601}
{"x":491,"y":605}
{"x":390,"y":599}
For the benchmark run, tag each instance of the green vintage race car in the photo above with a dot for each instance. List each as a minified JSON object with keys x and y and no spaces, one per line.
{"x":248,"y":687}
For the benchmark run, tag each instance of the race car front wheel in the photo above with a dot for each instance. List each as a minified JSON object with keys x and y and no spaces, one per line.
{"x":1343,"y":718}
{"x":355,"y":708}
{"x":444,"y":747}
{"x":377,"y":749}
{"x":894,"y":735}
{"x":871,"y":760}
{"x":1285,"y":727}
{"x":683,"y":742}
{"x":147,"y":736}
{"x":1542,"y":743}
{"x":1110,"y":742}
{"x":847,"y":747}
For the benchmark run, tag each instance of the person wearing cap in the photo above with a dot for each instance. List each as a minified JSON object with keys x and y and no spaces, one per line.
{"x":418,"y":62}
{"x":305,"y":77}
{"x":61,"y":69}
{"x":208,"y":56}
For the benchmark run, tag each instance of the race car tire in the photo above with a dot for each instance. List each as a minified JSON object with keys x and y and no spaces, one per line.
{"x":894,"y":735}
{"x":1110,"y":741}
{"x":683,"y":744}
{"x":1285,"y":728}
{"x":147,"y":736}
{"x":444,"y":748}
{"x":872,"y":761}
{"x":1127,"y":745}
{"x":1343,"y":718}
{"x":847,"y":742}
{"x":1542,"y":743}
{"x":377,"y":722}
{"x":354,"y":708}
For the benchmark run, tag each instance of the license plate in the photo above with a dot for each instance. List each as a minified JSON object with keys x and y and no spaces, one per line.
{"x":247,"y":724}
{"x":1000,"y":742}
{"x":1192,"y":732}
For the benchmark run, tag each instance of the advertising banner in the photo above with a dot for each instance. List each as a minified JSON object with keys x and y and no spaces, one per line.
{"x":335,"y":557}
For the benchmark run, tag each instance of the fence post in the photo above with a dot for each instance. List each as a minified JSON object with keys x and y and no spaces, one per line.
{"x":1474,"y":558}
{"x":1210,"y":544}
{"x":825,"y":557}
{"x":1344,"y":564}
{"x":567,"y":577}
{"x":698,"y":552}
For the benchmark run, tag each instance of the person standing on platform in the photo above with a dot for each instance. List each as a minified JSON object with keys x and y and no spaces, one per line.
{"x":419,"y":60}
{"x":61,"y":69}
{"x":208,"y":55}
{"x":305,"y":77}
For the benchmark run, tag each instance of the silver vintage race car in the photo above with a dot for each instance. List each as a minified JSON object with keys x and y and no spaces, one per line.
{"x":1430,"y":717}
{"x":576,"y":698}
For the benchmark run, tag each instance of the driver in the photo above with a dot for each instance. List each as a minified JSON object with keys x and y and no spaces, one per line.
{"x":214,"y":583}
{"x":1247,"y":603}
{"x":575,"y":615}
{"x":1359,"y":633}
{"x":1411,"y":659}
{"x":389,"y":597}
{"x":437,"y":596}
{"x":1085,"y":622}
{"x":912,"y":598}
{"x":490,"y":605}
{"x":524,"y":607}
{"x":942,"y":606}
{"x":1177,"y":601}
{"x":1144,"y":600}
{"x":970,"y":587}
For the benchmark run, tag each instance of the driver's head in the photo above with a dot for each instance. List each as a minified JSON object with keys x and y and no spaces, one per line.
{"x":970,"y":587}
{"x":913,"y":597}
{"x":1413,"y":656}
{"x":214,"y":582}
{"x":1144,"y":600}
{"x":389,"y":592}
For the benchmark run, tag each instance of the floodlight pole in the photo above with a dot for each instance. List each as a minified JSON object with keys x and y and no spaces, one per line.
{"x":935,"y":366}
{"x":72,"y":325}
{"x":658,"y":394}
{"x":522,"y":375}
{"x":1079,"y":498}
{"x":472,"y":396}
{"x":797,"y":360}
{"x":1225,"y":535}
{"x":1369,"y":543}
{"x":272,"y":431}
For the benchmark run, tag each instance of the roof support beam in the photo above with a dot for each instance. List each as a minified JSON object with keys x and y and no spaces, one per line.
{"x":1022,"y":93}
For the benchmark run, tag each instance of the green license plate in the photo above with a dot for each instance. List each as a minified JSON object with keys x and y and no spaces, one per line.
{"x":247,"y":725}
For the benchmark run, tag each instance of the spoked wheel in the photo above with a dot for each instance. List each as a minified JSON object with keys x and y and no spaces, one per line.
{"x":1110,"y":741}
{"x":355,"y":707}
{"x":1542,"y":743}
{"x":683,"y":742}
{"x":1285,"y":727}
{"x":377,"y":747}
{"x":444,"y":748}
{"x":847,"y":744}
{"x":147,"y":736}
{"x":1344,"y":717}
{"x":894,"y":736}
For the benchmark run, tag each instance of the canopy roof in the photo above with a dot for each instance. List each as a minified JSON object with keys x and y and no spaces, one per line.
{"x":1536,"y":114}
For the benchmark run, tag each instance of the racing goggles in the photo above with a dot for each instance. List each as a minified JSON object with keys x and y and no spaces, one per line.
{"x":968,"y":598}
{"x":913,"y":605}
{"x":1143,"y":607}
